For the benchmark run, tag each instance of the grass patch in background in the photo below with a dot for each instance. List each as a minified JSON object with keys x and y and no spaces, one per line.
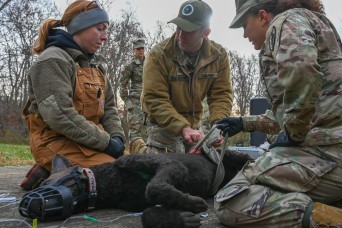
{"x":18,"y":155}
{"x":15,"y":155}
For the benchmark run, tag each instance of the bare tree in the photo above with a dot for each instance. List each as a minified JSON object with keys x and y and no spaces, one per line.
{"x":245,"y":80}
{"x":19,"y":23}
{"x":117,"y":50}
{"x":4,"y":4}
{"x":161,"y":32}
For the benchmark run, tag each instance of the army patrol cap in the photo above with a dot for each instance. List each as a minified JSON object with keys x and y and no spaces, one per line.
{"x":242,"y":7}
{"x":193,"y":15}
{"x":138,"y":43}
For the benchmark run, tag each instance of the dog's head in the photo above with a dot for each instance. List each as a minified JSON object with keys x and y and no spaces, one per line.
{"x":68,"y":190}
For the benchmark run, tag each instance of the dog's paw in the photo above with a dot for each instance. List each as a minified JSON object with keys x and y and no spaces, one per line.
{"x":160,"y":217}
{"x":189,"y":219}
{"x":196,"y":204}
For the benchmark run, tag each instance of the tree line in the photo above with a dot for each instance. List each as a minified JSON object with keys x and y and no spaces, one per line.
{"x":19,"y":24}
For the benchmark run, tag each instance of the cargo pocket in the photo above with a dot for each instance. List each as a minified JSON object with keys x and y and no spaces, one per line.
{"x":86,"y":151}
{"x":91,"y":111}
{"x":289,"y":169}
{"x":228,"y":192}
{"x":93,"y":98}
{"x":243,"y":200}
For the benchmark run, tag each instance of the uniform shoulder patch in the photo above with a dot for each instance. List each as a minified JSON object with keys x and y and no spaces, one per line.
{"x":272,"y":38}
{"x":274,"y":32}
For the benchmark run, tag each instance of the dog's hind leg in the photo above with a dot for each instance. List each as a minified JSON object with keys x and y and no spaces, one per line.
{"x":160,"y":217}
{"x":162,"y":189}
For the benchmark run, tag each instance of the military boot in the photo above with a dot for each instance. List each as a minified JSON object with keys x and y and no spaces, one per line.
{"x":326,"y":216}
{"x":137,"y":146}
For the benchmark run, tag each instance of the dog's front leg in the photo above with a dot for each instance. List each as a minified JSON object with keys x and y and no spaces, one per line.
{"x":162,"y":189}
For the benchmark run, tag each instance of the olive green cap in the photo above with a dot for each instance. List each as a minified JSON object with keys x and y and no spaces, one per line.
{"x":242,"y":7}
{"x":193,"y":15}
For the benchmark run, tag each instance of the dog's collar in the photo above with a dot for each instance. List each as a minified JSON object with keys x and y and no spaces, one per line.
{"x":91,"y":187}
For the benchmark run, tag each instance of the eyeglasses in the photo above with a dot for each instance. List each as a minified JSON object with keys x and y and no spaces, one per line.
{"x":140,"y":48}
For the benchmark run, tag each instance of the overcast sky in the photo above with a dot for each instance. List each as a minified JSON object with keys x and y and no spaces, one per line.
{"x":149,"y":11}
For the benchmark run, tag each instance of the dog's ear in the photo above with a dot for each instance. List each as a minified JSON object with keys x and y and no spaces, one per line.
{"x":59,"y":163}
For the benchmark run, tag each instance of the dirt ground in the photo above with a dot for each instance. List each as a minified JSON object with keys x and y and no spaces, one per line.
{"x":10,"y":178}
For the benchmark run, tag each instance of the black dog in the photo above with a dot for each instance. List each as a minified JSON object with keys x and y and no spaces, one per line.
{"x":177,"y":182}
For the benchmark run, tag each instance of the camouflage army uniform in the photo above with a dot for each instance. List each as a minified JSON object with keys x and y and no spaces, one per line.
{"x":130,"y":91}
{"x":205,"y":123}
{"x":301,"y":67}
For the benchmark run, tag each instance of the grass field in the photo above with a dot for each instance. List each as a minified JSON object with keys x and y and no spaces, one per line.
{"x":15,"y":155}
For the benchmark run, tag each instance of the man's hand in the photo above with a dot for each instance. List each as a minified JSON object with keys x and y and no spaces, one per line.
{"x":216,"y":138}
{"x":192,"y":136}
{"x":218,"y":141}
{"x":230,"y":125}
{"x":284,"y":141}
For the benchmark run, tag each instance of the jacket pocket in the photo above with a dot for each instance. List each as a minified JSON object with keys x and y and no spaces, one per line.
{"x":93,"y":102}
{"x":295,"y":170}
{"x":92,"y":111}
{"x":240,"y":200}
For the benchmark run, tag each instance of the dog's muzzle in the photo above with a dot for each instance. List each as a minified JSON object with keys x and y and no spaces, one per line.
{"x":47,"y":203}
{"x":56,"y":202}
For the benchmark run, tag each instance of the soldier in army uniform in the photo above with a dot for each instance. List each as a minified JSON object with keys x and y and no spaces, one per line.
{"x":130,"y":91}
{"x":298,"y":183}
{"x":178,"y":74}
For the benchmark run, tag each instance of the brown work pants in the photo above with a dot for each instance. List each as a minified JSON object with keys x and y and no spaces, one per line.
{"x":45,"y":143}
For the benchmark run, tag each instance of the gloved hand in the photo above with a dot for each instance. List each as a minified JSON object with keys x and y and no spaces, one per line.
{"x":230,"y":125}
{"x":284,"y":141}
{"x":115,"y":147}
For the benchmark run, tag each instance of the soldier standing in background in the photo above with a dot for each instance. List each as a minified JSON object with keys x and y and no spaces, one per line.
{"x":130,"y":90}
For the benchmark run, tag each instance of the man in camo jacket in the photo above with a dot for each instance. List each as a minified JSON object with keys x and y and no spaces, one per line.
{"x":299,"y":181}
{"x":130,"y":90}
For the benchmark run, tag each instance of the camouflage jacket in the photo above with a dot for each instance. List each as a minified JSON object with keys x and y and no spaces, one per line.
{"x":131,"y":80}
{"x":173,"y":93}
{"x":301,"y":69}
